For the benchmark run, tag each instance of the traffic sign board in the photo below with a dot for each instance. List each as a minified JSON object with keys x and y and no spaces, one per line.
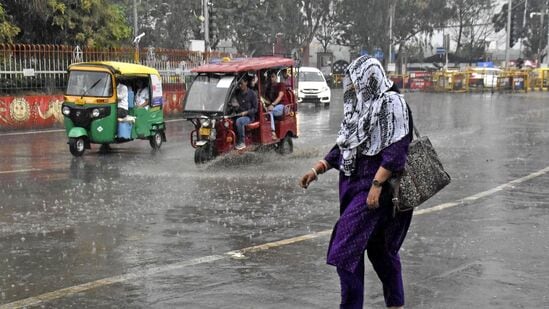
{"x":441,"y":51}
{"x":378,"y":54}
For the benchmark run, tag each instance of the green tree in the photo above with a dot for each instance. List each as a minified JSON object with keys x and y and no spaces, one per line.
{"x":302,"y":21}
{"x":533,"y":34}
{"x":472,"y":26}
{"x":328,"y":30}
{"x":7,"y":30}
{"x":91,"y":23}
{"x":167,"y":23}
{"x":365,"y":24}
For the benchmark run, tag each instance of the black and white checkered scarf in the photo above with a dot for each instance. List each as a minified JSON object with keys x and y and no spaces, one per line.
{"x":374,"y":117}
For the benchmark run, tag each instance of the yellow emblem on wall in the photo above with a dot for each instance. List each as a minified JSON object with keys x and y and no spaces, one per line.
{"x":19,"y":110}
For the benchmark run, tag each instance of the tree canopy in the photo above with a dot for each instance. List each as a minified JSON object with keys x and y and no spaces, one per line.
{"x":7,"y":30}
{"x":92,"y":23}
{"x":256,"y":26}
{"x":530,"y":30}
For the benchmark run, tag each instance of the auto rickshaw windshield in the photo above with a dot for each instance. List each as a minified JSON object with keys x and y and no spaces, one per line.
{"x":208,"y":93}
{"x":87,"y":83}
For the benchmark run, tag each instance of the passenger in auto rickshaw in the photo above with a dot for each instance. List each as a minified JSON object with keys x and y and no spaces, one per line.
{"x":245,"y":111}
{"x":122,"y":98}
{"x":142,"y":94}
{"x":287,"y":78}
{"x":275,"y":93}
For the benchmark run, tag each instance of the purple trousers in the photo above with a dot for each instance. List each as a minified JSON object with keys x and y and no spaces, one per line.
{"x":382,"y":249}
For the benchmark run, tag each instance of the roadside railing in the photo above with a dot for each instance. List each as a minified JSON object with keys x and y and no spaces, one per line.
{"x":30,"y":68}
{"x":474,"y":80}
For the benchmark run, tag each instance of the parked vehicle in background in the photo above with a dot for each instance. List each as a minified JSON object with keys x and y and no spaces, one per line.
{"x":484,"y":77}
{"x":312,"y":87}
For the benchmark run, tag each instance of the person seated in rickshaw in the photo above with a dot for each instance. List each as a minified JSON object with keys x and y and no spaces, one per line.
{"x":245,"y":112}
{"x":122,"y":98}
{"x":142,"y":95}
{"x":253,"y":84}
{"x":276,"y":100}
{"x":232,"y":107}
{"x":288,"y":80}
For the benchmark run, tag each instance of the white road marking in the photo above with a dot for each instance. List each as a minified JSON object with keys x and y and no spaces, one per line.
{"x":32,"y":132}
{"x":58,"y":130}
{"x":21,"y":171}
{"x":237,"y":254}
{"x":482,"y":194}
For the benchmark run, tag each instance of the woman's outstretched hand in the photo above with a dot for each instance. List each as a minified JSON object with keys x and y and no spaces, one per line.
{"x":306,"y":179}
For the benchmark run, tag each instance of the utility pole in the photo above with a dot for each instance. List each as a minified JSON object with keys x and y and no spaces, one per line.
{"x":509,"y":8}
{"x":206,"y":25}
{"x":523,"y":23}
{"x":391,"y":16}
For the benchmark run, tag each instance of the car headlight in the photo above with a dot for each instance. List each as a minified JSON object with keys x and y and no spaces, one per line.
{"x":66,"y":110}
{"x":95,"y":112}
{"x":325,"y":88}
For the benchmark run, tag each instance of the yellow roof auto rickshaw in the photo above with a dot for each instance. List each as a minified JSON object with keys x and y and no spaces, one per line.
{"x":91,"y":105}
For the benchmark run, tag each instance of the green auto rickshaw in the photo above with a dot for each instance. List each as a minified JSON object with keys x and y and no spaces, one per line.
{"x":91,"y":105}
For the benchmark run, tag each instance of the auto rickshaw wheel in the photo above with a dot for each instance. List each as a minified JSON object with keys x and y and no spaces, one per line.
{"x":156,"y":140}
{"x":286,"y":145}
{"x":203,"y":154}
{"x":77,"y":146}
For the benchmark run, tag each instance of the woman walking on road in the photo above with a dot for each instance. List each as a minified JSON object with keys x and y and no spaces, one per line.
{"x":372,"y":144}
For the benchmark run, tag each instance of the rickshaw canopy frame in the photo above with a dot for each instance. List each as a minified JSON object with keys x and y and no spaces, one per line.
{"x":245,"y":65}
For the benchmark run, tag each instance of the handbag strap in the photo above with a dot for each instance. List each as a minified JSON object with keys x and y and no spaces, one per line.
{"x":395,"y":184}
{"x":414,"y":130}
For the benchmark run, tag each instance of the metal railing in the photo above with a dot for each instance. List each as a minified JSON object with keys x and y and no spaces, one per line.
{"x":28,"y":68}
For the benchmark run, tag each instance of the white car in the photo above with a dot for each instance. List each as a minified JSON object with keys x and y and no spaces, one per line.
{"x":312,"y":87}
{"x":484,"y":77}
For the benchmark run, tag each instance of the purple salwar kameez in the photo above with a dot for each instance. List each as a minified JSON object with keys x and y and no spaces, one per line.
{"x":360,"y":229}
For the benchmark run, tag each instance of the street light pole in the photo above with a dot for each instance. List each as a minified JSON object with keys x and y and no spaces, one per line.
{"x":542,"y":15}
{"x":547,"y":46}
{"x":135,"y":32}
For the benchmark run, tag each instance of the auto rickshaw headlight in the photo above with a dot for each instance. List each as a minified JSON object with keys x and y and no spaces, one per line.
{"x":66,"y":110}
{"x":205,"y":123}
{"x":226,"y":123}
{"x":95,"y":112}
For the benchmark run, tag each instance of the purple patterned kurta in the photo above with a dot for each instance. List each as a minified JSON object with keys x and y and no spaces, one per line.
{"x":356,"y":222}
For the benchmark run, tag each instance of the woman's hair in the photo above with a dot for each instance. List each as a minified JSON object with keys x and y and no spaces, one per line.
{"x":394,"y":88}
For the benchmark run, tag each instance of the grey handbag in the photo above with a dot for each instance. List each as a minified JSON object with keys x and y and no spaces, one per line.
{"x":423,"y":175}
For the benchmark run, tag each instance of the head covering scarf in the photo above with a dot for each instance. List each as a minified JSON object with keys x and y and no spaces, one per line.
{"x":374,"y":117}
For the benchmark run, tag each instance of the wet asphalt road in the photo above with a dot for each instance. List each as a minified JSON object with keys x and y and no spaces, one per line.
{"x":135,"y":229}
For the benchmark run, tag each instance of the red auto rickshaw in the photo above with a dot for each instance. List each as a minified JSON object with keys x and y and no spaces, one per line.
{"x":207,"y":106}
